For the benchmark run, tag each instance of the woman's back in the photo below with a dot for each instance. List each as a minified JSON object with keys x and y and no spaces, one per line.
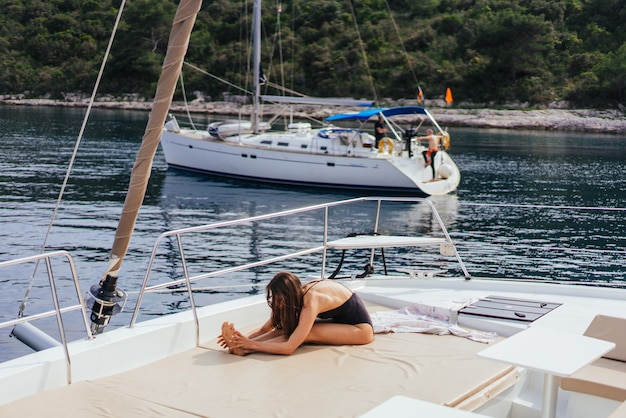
{"x":324,"y":295}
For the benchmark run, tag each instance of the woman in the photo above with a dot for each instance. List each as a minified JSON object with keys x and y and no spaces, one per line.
{"x":319,"y":312}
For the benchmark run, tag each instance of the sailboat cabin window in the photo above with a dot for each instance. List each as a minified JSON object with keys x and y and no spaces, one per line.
{"x":283,"y":144}
{"x":266,"y":142}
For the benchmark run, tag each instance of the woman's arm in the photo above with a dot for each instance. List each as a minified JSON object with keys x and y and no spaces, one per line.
{"x":280,"y":345}
{"x":265,"y":328}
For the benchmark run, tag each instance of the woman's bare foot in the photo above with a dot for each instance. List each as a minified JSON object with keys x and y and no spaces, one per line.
{"x":228,"y":330}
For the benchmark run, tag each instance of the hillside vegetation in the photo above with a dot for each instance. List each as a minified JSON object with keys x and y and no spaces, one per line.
{"x":486,"y":51}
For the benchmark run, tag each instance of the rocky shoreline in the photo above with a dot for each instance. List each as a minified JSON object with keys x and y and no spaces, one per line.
{"x":583,"y":120}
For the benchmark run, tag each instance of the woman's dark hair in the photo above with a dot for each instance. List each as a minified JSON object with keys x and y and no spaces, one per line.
{"x":285,"y":297}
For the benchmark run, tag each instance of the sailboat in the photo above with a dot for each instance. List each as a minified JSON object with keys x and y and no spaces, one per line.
{"x":500,"y":348}
{"x":332,"y":156}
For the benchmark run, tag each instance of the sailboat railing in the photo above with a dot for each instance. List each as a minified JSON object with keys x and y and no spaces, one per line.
{"x":58,"y":310}
{"x":187,"y":280}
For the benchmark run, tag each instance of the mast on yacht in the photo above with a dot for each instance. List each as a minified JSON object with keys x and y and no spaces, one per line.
{"x":105,"y":296}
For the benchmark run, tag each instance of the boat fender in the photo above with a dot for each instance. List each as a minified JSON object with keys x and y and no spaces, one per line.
{"x":33,"y":337}
{"x":445,"y":171}
{"x":385,"y":145}
{"x":445,"y":139}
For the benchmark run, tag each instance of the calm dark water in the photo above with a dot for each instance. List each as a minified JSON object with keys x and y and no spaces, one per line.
{"x":508,"y":215}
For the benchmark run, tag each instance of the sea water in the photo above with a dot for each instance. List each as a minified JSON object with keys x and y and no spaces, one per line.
{"x":530,"y":205}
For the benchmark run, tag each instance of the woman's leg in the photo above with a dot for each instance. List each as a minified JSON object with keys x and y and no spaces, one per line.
{"x":322,"y":333}
{"x":340,"y":334}
{"x":268,"y":336}
{"x":228,"y":330}
{"x":432,"y":163}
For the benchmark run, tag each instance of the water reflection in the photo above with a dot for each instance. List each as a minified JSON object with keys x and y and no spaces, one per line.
{"x":181,"y":190}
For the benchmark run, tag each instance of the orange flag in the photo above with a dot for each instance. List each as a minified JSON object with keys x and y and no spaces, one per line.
{"x":448,"y":95}
{"x":420,"y":95}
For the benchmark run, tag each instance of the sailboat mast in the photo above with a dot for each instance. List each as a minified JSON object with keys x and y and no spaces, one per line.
{"x":256,"y":63}
{"x":105,"y":294}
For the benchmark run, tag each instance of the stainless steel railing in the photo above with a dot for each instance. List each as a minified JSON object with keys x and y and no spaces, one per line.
{"x":177,"y":235}
{"x":58,"y":310}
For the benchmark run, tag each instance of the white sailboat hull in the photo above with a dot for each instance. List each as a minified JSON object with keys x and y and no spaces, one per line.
{"x":358,"y":168}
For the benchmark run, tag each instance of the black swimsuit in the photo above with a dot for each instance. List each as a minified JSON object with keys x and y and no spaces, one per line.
{"x":351,"y":312}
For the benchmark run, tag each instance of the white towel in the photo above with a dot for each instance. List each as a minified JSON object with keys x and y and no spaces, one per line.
{"x":410,"y":319}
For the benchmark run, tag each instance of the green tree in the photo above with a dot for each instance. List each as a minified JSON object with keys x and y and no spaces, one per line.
{"x":514,"y":49}
{"x":498,"y":51}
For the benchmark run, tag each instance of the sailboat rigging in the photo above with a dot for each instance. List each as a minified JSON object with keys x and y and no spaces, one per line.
{"x":331,"y":156}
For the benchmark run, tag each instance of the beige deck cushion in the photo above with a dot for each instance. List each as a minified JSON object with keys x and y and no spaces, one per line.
{"x":610,"y":328}
{"x":605,"y":377}
{"x":87,"y":399}
{"x":316,"y":381}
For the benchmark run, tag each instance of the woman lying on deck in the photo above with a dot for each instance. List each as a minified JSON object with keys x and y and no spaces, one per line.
{"x":318,"y":312}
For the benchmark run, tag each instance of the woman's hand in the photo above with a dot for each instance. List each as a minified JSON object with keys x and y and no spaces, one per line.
{"x":222,"y":342}
{"x":238,"y":340}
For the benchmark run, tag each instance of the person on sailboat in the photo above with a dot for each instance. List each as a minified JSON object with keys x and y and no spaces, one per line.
{"x":318,"y":312}
{"x":380,"y":130}
{"x":433,"y":147}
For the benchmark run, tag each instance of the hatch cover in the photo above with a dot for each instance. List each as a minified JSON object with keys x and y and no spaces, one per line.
{"x":523,"y":310}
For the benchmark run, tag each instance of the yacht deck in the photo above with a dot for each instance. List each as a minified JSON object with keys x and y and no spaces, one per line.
{"x":154,"y":369}
{"x":316,"y":381}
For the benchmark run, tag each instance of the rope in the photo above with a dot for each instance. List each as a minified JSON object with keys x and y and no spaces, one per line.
{"x":278,"y":40}
{"x":182,"y":87}
{"x":268,"y":83}
{"x":217,"y":78}
{"x":74,"y":153}
{"x":406,"y":54}
{"x":367,"y":67}
{"x":277,"y":44}
{"x":285,"y":89}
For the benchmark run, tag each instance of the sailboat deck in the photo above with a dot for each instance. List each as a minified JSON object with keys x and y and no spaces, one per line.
{"x":315,"y":381}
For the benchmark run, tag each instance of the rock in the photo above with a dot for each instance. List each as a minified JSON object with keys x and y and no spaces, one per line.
{"x":553,"y":118}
